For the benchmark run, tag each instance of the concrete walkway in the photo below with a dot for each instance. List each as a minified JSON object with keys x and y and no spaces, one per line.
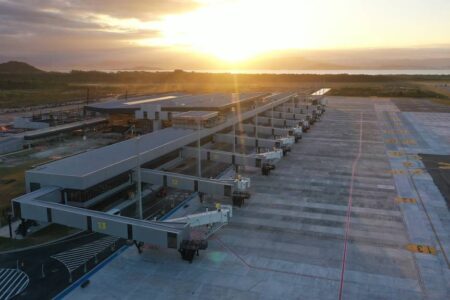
{"x":4,"y":231}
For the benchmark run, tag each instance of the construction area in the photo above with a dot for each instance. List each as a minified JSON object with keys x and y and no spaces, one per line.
{"x":252,"y":196}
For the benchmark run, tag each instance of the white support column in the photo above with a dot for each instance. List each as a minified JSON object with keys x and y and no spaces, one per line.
{"x":256,"y":123}
{"x":271,"y":117}
{"x":234,"y":138}
{"x":139,"y":182}
{"x":199,"y":157}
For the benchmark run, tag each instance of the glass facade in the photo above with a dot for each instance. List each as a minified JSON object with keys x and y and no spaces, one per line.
{"x":98,"y":189}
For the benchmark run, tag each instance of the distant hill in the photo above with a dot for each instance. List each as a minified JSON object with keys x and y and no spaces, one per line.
{"x":18,"y":67}
{"x":141,"y":68}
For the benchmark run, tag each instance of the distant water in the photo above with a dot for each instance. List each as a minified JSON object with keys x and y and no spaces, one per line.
{"x":319,"y":72}
{"x":322,"y":72}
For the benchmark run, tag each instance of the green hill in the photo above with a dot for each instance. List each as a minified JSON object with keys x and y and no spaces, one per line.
{"x":18,"y":67}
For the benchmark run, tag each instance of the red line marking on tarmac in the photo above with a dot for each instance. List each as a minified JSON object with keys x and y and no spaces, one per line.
{"x":269,"y":269}
{"x":349,"y":207}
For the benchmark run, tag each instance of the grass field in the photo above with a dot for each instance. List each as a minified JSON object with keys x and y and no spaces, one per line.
{"x":47,"y":234}
{"x":13,"y":182}
{"x":21,"y":98}
{"x":21,"y":90}
{"x":14,"y":165}
{"x":409,"y":90}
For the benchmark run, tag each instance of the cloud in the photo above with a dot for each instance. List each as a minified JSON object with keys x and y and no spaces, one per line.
{"x":73,"y":28}
{"x":102,"y":33}
{"x":15,"y":13}
{"x":140,"y":9}
{"x":143,"y":10}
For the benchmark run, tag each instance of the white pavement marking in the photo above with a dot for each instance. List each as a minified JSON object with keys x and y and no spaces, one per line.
{"x":386,"y":107}
{"x":12,"y":283}
{"x":386,"y":187}
{"x":77,"y":257}
{"x":270,"y":199}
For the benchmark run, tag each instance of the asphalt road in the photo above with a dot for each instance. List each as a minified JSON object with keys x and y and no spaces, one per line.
{"x":420,"y":105}
{"x":48,"y":276}
{"x":439,"y":168}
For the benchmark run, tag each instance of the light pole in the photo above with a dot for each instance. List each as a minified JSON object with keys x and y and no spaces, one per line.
{"x":10,"y":224}
{"x":271,"y":117}
{"x":256,"y":121}
{"x":199,"y":158}
{"x":234,"y":138}
{"x":138,"y":173}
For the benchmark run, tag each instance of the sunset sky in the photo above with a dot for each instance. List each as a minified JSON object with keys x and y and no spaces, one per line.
{"x":222,"y":33}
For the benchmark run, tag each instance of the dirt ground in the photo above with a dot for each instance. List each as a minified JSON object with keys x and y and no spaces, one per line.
{"x":13,"y":166}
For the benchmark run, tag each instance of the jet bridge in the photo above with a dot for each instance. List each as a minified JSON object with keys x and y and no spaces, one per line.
{"x":297,"y":113}
{"x":275,"y":131}
{"x":220,"y":216}
{"x":284,"y":115}
{"x":44,"y":205}
{"x":223,"y":157}
{"x":304,"y":119}
{"x":236,"y":188}
{"x":265,"y":161}
{"x":302,"y":108}
{"x":283,"y":143}
{"x":256,"y":142}
{"x":299,"y":104}
{"x":296,"y":110}
{"x":187,"y":182}
{"x":213,"y":220}
{"x":266,"y":121}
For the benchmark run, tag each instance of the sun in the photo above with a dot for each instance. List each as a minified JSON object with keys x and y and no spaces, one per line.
{"x":232,"y":31}
{"x":215,"y":30}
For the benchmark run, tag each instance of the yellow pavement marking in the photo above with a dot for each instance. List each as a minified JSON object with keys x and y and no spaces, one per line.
{"x":396,"y":131}
{"x":395,"y":172}
{"x":174,"y":181}
{"x":409,"y":141}
{"x":444,"y":165}
{"x":415,"y":157}
{"x":416,"y":248}
{"x":391,"y":141}
{"x":416,"y":171}
{"x":408,"y":164}
{"x":405,"y":200}
{"x":396,"y":153}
